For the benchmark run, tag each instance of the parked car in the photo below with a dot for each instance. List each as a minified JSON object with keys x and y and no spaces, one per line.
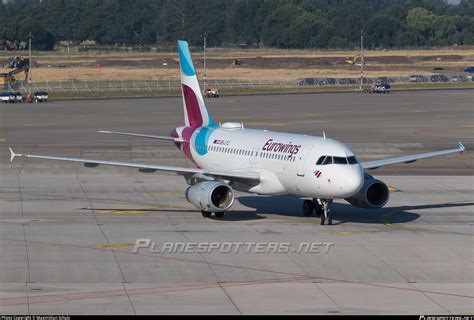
{"x":323,"y":82}
{"x":439,"y":78}
{"x":307,"y":82}
{"x":418,"y":78}
{"x":384,"y":80}
{"x":18,"y":97}
{"x":459,"y":78}
{"x":41,"y":96}
{"x":365,"y":81}
{"x":469,"y":69}
{"x":7,"y":97}
{"x":346,"y":81}
{"x":331,"y":81}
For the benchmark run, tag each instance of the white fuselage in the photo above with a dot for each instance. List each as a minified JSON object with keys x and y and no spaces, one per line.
{"x":286,"y":162}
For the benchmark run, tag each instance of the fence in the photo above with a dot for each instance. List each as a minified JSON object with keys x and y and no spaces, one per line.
{"x":71,"y":86}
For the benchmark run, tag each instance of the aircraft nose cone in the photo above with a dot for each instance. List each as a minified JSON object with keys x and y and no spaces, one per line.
{"x":350,"y":182}
{"x":355,"y":180}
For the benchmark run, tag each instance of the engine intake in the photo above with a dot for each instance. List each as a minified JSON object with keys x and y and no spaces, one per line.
{"x":373,"y":195}
{"x":212,"y":196}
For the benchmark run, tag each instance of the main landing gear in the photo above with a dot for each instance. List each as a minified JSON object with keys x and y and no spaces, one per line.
{"x":207,"y":214}
{"x":320,"y":207}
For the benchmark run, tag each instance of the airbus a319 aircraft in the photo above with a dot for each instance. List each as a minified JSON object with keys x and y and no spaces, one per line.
{"x":229,"y":157}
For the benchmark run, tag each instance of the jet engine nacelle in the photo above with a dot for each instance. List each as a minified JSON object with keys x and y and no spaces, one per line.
{"x":373,"y":195}
{"x":211,"y":196}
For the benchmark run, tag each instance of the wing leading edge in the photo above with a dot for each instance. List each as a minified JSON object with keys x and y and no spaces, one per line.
{"x":231,"y":175}
{"x":411,"y":158}
{"x":141,"y":135}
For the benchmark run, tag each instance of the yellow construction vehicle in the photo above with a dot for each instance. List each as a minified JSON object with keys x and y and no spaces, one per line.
{"x":19,"y":65}
{"x":355,"y":59}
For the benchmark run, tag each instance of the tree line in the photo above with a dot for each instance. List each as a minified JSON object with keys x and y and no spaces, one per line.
{"x":270,"y":23}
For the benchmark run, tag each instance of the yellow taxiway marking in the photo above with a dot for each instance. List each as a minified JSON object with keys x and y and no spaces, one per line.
{"x":311,"y":114}
{"x":4,"y":201}
{"x":139,"y":211}
{"x":464,"y":126}
{"x":344,"y":232}
{"x":3,"y":139}
{"x":124,"y":211}
{"x":163,"y":194}
{"x":312,"y":121}
{"x":115,"y":245}
{"x":392,"y":189}
{"x":407,"y":125}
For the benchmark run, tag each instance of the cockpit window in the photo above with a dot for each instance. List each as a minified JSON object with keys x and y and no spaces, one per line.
{"x":327,"y":160}
{"x":352,"y":160}
{"x":321,"y":160}
{"x":324,"y":160}
{"x":339,"y":160}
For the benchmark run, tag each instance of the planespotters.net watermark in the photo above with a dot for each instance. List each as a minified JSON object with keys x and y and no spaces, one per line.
{"x":231,"y":247}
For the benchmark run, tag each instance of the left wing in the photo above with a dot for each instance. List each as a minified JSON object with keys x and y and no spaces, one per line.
{"x":90,"y":163}
{"x":408,"y":159}
{"x":141,"y":135}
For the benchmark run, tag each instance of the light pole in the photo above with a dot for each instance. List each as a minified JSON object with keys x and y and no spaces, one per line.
{"x":204,"y":35}
{"x":29,"y":63}
{"x":361,"y":59}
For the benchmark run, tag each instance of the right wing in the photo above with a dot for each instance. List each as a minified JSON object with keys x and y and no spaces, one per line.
{"x":226,"y":175}
{"x":370,"y":165}
{"x":140,"y":135}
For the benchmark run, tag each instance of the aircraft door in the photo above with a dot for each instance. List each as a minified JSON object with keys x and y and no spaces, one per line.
{"x":301,"y":160}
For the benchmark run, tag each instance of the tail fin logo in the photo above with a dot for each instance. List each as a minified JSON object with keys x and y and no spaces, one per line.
{"x":195,"y":110}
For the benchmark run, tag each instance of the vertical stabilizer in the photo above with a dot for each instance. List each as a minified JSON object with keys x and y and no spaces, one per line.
{"x":195,"y":110}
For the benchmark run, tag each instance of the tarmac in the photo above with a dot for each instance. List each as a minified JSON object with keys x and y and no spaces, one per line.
{"x":67,"y":232}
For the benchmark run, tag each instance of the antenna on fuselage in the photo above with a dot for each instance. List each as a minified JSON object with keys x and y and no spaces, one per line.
{"x":324,"y":135}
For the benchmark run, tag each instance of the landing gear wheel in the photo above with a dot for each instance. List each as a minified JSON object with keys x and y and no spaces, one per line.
{"x":219,"y":214}
{"x":308,"y":208}
{"x":206,"y":214}
{"x":322,"y":207}
{"x":318,"y":209}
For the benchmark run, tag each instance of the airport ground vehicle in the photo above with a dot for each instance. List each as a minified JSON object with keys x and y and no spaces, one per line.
{"x":211,"y":92}
{"x":40,"y":96}
{"x":379,"y":88}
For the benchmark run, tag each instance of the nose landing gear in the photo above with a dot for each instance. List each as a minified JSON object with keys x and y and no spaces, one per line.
{"x":320,"y":207}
